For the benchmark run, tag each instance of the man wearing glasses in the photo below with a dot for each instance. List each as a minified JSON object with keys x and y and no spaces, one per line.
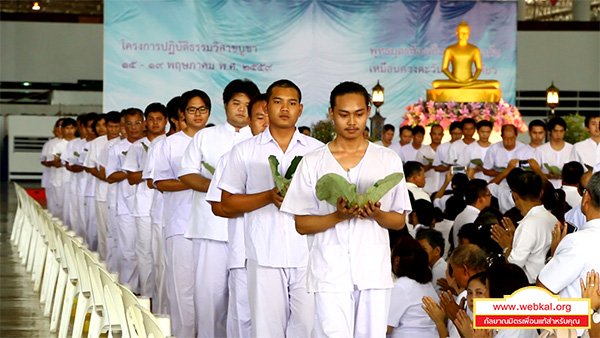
{"x":209,"y":232}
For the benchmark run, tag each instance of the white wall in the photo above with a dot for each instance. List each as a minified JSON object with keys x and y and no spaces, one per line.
{"x":570,"y":59}
{"x":50,"y":52}
{"x":67,"y":52}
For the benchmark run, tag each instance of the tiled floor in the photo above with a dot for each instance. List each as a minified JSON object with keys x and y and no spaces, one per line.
{"x":20,"y":311}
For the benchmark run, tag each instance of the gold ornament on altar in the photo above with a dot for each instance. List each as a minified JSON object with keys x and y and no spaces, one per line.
{"x":462,"y":84}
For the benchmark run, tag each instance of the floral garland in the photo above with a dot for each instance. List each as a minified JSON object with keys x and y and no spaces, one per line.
{"x":444,"y":113}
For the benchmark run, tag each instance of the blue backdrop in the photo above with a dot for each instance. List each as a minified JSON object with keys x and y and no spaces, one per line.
{"x":155,"y":50}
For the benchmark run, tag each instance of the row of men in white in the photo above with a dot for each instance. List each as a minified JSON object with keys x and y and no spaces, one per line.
{"x":486,"y":160}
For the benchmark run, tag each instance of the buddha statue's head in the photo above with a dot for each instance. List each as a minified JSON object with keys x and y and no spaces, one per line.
{"x":462,"y":32}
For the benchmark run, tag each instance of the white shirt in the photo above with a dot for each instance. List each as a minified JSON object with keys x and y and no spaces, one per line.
{"x":208,"y":145}
{"x":395,"y":146}
{"x":102,"y":160}
{"x":544,"y":154}
{"x":177,"y":204}
{"x":576,"y":255}
{"x":526,"y":152}
{"x":64,"y":159}
{"x":56,"y":174}
{"x":133,"y":162}
{"x":417,"y":192}
{"x":432,"y":177}
{"x":472,"y":152}
{"x":587,"y":152}
{"x":456,"y":150}
{"x":442,"y":156}
{"x":355,"y":253}
{"x":444,"y":227}
{"x":466,"y":216}
{"x":406,"y":314}
{"x":575,"y":216}
{"x":532,"y":241}
{"x":270,"y":235}
{"x":125,"y":192}
{"x":502,"y":193}
{"x":75,"y":159}
{"x":497,"y":157}
{"x":235,"y":226}
{"x":156,"y":211}
{"x":438,"y":270}
{"x":572,"y":195}
{"x":94,"y":149}
{"x":43,"y":158}
{"x":407,"y":152}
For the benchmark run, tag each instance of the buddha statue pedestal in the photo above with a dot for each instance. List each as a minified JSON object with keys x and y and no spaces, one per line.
{"x":464,"y":95}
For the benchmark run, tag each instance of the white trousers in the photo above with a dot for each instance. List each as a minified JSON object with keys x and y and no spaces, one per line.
{"x":238,"y":311}
{"x":143,"y":251}
{"x":279,"y":303}
{"x":50,"y":204}
{"x":76,"y":204}
{"x":83,"y":219}
{"x":66,"y":210}
{"x":179,"y":252}
{"x":128,"y":269}
{"x":113,"y":255}
{"x":210,"y":288}
{"x":159,"y":294}
{"x":91,"y":229}
{"x":102,"y":228}
{"x":351,"y":314}
{"x":56,"y":199}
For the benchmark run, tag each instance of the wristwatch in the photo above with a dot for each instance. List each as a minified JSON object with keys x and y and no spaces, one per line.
{"x":595,"y":316}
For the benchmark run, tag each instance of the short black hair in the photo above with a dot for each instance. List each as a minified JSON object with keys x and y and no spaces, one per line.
{"x":412,"y":168}
{"x":504,"y":279}
{"x":367,"y":128}
{"x":173,"y":111}
{"x":589,"y":116}
{"x":469,"y":232}
{"x":572,"y":172}
{"x":388,"y":127}
{"x":455,"y":125}
{"x":418,"y":129}
{"x":454,"y":206}
{"x":424,"y":211}
{"x":99,"y":117}
{"x":556,"y":121}
{"x":236,"y":86}
{"x":303,"y":128}
{"x":414,"y":261}
{"x":459,"y":184}
{"x":113,"y":116}
{"x":528,"y":185}
{"x":475,"y":188}
{"x":349,"y":87}
{"x":256,"y":98}
{"x":156,"y":107}
{"x":538,"y":123}
{"x":434,"y":238}
{"x":67,"y":121}
{"x":90,"y":117}
{"x":283,"y":83}
{"x":403,"y":128}
{"x":133,"y":112}
{"x":506,"y":126}
{"x":58,"y":122}
{"x":437,"y":126}
{"x":484,"y":123}
{"x":190,"y":94}
{"x":469,"y":120}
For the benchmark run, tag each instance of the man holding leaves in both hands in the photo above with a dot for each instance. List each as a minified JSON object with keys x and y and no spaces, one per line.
{"x":349,"y":261}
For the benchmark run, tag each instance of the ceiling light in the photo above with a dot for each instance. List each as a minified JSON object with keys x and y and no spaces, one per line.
{"x":36,"y":6}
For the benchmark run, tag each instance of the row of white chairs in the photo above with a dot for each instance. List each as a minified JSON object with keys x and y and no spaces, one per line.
{"x":68,"y":276}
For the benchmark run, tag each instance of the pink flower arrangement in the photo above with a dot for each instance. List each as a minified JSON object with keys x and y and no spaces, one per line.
{"x":443,"y":113}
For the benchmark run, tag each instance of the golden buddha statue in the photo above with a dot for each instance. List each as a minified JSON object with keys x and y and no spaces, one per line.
{"x":463,"y":85}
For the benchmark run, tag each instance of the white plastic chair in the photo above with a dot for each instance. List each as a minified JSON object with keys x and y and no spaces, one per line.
{"x":114,"y":304}
{"x":62,"y":237}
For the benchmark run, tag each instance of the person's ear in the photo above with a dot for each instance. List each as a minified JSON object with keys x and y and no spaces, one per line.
{"x":438,"y":251}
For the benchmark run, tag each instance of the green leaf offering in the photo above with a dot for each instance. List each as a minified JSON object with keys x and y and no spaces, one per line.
{"x":283,"y":182}
{"x":499,"y":168}
{"x":209,"y":167}
{"x":430,"y":160}
{"x":124,"y":153}
{"x":76,"y":154}
{"x":553,"y":169}
{"x":330,"y":187}
{"x":477,"y":161}
{"x":145,"y":146}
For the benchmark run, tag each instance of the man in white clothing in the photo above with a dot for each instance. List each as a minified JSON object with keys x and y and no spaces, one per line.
{"x":349,"y":244}
{"x":537,"y":135}
{"x":473,"y":155}
{"x":276,"y":254}
{"x":571,"y":177}
{"x":238,"y":310}
{"x":587,"y":152}
{"x":415,"y":180}
{"x":156,"y":119}
{"x":477,"y":197}
{"x":54,"y":192}
{"x":499,"y":154}
{"x":387,"y":136}
{"x":409,"y":152}
{"x":528,"y":244}
{"x":442,"y":161}
{"x":458,"y":148}
{"x":115,"y":174}
{"x":48,"y":162}
{"x":553,"y":155}
{"x":426,"y":154}
{"x":433,"y":243}
{"x":209,"y":232}
{"x":69,"y":127}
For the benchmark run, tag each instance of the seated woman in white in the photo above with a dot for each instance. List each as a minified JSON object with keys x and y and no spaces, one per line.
{"x":406,"y":317}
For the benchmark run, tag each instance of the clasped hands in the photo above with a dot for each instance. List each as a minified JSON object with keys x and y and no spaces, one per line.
{"x":368,"y":210}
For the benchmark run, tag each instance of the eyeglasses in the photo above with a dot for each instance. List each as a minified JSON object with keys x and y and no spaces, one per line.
{"x":193,"y":110}
{"x":136,"y":123}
